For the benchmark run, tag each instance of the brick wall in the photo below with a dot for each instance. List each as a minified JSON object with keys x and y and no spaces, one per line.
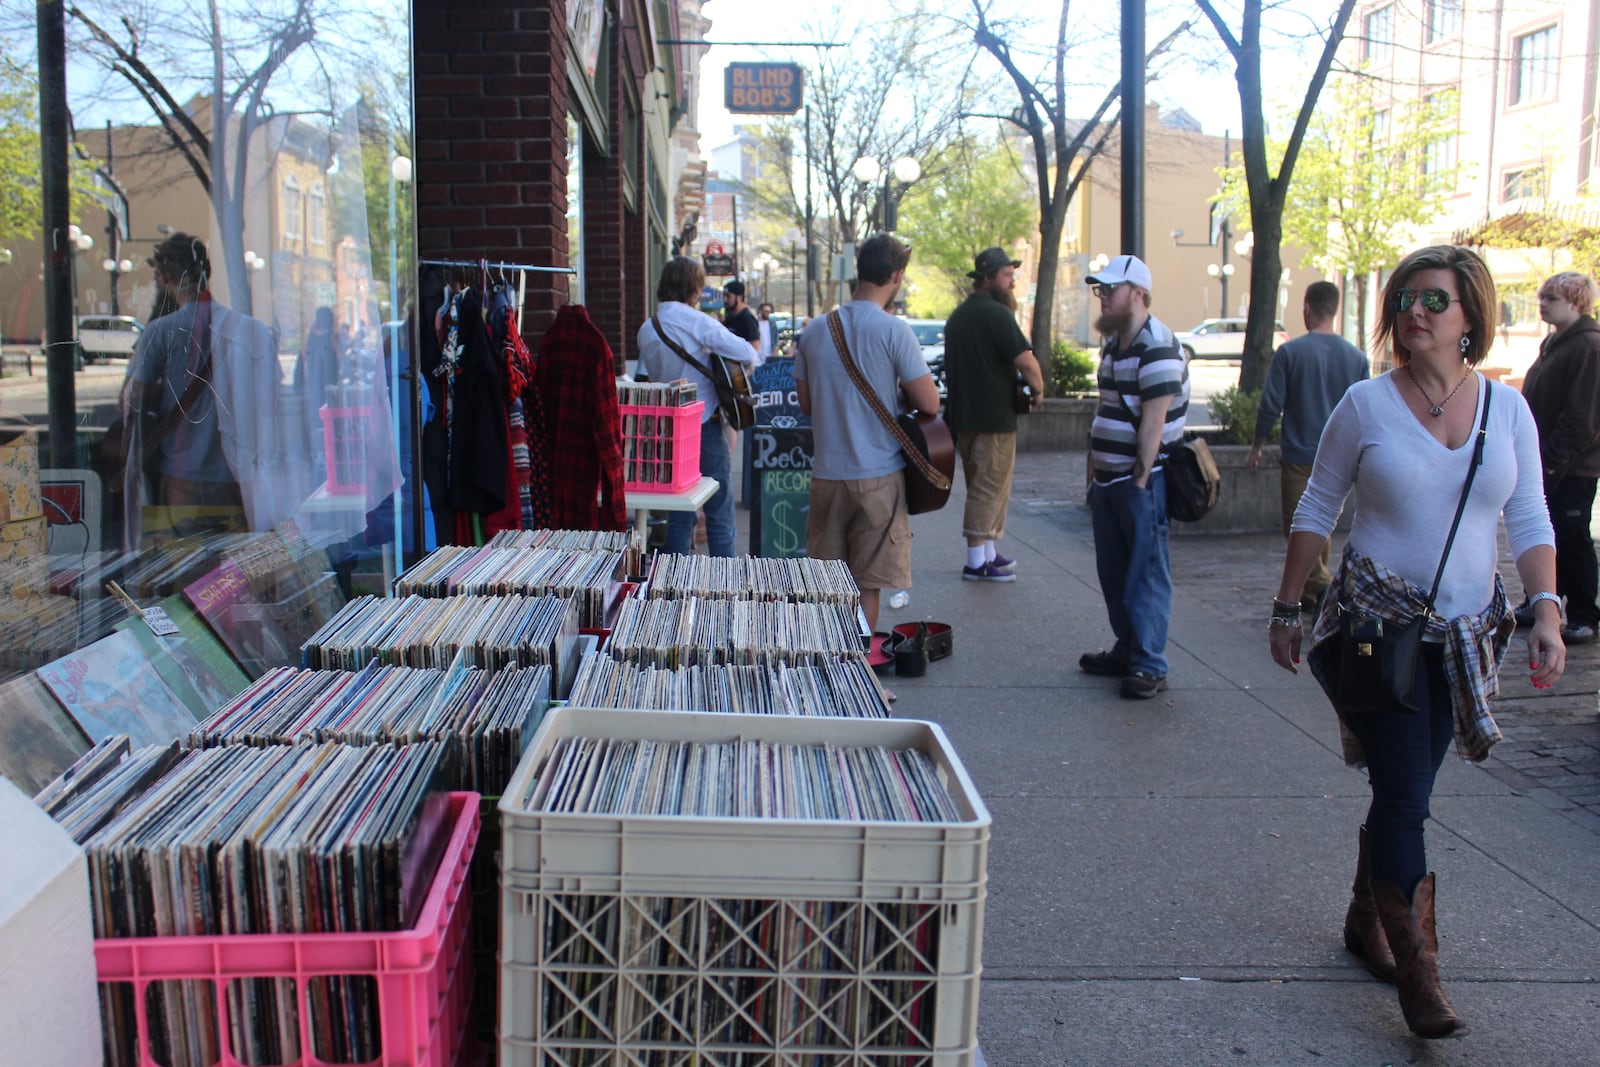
{"x":491,"y":154}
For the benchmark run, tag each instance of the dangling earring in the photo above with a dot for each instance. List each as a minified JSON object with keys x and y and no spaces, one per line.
{"x":1466,"y":344}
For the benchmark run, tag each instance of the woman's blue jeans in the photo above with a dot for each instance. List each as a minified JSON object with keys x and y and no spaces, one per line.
{"x":1404,"y":751}
{"x":715,"y":462}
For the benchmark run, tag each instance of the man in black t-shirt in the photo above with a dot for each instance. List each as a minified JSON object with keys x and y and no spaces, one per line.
{"x":984,"y":351}
{"x":737,"y":316}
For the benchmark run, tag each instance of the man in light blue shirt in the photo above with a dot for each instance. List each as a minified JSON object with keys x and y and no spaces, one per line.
{"x":858,"y":498}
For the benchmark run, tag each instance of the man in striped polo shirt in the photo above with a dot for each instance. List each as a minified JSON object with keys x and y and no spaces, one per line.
{"x":1144,"y":398}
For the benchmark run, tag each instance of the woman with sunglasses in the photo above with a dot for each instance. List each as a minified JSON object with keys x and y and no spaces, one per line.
{"x":1404,"y":444}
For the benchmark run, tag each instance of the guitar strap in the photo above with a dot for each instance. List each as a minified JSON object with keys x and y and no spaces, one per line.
{"x":928,"y":471}
{"x":683,"y":355}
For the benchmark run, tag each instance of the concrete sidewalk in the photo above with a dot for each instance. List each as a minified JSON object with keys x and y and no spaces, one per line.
{"x":1168,"y":878}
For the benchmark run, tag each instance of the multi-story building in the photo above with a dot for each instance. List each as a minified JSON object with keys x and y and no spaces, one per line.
{"x":1525,"y":152}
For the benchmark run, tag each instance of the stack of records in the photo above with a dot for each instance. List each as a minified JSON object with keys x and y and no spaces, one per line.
{"x":845,"y":687}
{"x":415,"y":631}
{"x":739,"y":780}
{"x":592,"y":578}
{"x":485,"y":720}
{"x":594,"y":540}
{"x":674,"y":394}
{"x":287,"y":839}
{"x":803,"y":580}
{"x":694,"y":630}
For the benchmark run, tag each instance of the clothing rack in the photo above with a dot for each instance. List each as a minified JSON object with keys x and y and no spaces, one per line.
{"x":497,"y":266}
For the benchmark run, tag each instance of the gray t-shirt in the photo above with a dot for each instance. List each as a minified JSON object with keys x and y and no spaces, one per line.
{"x":849,"y":441}
{"x":167,"y":353}
{"x":1306,"y":379}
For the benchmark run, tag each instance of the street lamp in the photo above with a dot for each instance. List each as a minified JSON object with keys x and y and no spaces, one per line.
{"x":904,"y":170}
{"x":116,"y":268}
{"x":77,"y":241}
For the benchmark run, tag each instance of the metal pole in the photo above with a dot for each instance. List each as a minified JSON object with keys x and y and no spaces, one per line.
{"x":112,"y":231}
{"x":811,"y":262}
{"x":58,"y":295}
{"x":393,"y":339}
{"x":1133,"y":127}
{"x":794,"y":276}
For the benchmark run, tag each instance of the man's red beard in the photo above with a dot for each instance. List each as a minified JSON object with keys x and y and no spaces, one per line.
{"x":1111,"y":322}
{"x":1000,"y":294}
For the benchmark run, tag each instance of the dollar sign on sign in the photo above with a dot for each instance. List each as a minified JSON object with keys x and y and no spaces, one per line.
{"x":785,"y":538}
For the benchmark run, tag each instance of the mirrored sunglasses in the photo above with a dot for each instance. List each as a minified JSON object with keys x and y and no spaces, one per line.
{"x":1435,"y":300}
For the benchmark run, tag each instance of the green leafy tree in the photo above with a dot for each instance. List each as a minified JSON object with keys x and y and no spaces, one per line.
{"x":20,"y":206}
{"x":1366,"y":176}
{"x":1268,"y":192}
{"x":978,"y":197}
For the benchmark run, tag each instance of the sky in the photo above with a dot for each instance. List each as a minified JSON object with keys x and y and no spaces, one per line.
{"x":1200,"y":79}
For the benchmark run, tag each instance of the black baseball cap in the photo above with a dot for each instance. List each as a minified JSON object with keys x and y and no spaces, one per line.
{"x":990,"y":260}
{"x":736,"y":287}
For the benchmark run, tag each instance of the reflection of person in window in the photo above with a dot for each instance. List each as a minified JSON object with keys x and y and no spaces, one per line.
{"x":170,"y":393}
{"x":318,"y":365}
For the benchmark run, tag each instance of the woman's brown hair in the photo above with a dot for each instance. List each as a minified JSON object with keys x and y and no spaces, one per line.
{"x":1475,"y":291}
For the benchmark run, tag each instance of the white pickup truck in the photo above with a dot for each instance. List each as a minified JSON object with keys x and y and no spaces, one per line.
{"x":107,"y":336}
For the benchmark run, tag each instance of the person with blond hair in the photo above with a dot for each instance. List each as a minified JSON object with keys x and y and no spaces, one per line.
{"x":1429,"y":439}
{"x":1563,"y":392}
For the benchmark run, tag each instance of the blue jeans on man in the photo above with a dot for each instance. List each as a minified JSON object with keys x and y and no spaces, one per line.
{"x":1135,"y":569}
{"x":715,"y":462}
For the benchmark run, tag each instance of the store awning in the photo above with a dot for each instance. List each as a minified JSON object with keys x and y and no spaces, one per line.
{"x":1551,"y":228}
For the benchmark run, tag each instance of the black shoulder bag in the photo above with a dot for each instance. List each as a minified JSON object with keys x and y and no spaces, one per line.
{"x":1380,"y":664}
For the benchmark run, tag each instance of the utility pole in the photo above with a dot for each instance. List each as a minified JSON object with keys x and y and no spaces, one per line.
{"x":1133,"y":127}
{"x":811,"y":256}
{"x":60,"y":330}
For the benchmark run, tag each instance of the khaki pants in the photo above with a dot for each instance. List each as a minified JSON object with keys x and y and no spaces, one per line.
{"x":1293,"y":478}
{"x":987,"y":462}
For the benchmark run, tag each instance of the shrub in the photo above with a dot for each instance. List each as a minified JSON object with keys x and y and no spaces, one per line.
{"x":1234,"y":412}
{"x":1072,"y":369}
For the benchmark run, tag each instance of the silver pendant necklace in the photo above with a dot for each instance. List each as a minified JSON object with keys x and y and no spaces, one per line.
{"x":1437,"y":409}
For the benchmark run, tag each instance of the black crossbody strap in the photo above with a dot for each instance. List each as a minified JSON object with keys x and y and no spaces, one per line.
{"x":683,"y":355}
{"x":1461,"y":505}
{"x":913,"y":453}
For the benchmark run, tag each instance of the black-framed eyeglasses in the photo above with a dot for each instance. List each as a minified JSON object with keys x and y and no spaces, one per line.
{"x":1101,"y":290}
{"x":1435,"y":300}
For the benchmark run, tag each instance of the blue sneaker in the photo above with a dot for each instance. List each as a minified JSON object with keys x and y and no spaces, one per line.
{"x":987,"y":573}
{"x":1003,"y":563}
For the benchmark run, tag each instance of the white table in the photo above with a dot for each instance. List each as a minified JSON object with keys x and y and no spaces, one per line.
{"x":690,"y":499}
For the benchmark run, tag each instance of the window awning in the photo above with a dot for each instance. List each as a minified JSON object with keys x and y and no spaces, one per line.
{"x":1555,"y":227}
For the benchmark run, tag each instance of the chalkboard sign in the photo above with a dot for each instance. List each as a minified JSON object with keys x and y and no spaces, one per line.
{"x":781,"y":502}
{"x":777,"y":402}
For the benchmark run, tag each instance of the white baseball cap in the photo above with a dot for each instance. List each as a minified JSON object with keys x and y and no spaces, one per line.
{"x":1123,"y":269}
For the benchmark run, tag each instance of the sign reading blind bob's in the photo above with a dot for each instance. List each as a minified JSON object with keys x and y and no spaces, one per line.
{"x":763,"y":88}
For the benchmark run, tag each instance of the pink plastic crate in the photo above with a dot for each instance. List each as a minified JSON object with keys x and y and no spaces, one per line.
{"x":661,"y":447}
{"x":423,"y":976}
{"x":346,"y":447}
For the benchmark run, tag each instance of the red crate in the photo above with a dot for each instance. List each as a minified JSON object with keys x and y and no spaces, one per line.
{"x":661,"y":447}
{"x":423,"y":975}
{"x":346,"y":446}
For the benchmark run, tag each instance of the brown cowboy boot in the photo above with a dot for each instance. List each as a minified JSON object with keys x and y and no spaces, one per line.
{"x":1415,"y":943}
{"x":1363,"y":932}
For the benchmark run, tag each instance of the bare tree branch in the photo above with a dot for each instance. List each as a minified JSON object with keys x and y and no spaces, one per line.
{"x":1223,"y":32}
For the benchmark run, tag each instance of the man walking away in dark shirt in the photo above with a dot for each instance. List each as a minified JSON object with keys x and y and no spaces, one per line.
{"x":1306,"y":380}
{"x":984,"y":352}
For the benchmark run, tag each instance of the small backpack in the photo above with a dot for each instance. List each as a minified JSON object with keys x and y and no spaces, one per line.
{"x":1194,"y":484}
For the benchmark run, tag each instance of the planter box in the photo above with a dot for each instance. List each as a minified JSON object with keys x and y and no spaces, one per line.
{"x":1061,"y":424}
{"x":1251,"y":499}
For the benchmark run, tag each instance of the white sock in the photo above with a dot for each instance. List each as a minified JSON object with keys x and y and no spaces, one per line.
{"x":975,"y":557}
{"x":988,"y":551}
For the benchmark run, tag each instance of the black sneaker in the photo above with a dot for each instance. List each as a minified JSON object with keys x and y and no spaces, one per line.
{"x":1578,"y":635}
{"x":1104,"y":662}
{"x":1139,"y":685}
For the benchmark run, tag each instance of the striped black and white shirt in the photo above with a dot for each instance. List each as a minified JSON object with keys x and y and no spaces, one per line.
{"x":1152,"y":366}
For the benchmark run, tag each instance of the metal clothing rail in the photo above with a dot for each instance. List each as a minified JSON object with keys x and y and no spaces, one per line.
{"x":497,"y":266}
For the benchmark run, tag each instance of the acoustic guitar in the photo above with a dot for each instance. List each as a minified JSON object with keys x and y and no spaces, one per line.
{"x":930,"y":435}
{"x":737,"y":400}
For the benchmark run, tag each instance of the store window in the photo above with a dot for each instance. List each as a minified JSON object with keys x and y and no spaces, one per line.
{"x":240,"y":275}
{"x":1444,"y":19}
{"x":575,"y":257}
{"x":1441,"y":157}
{"x":1533,"y":71}
{"x":1378,"y":35}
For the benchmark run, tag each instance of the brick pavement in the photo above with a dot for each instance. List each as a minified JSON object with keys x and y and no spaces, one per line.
{"x":1551,"y":751}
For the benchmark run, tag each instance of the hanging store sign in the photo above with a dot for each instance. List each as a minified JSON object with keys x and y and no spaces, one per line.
{"x":763,"y":88}
{"x":717,"y":261}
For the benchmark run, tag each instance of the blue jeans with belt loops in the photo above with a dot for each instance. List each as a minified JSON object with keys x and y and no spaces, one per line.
{"x":1404,"y":751}
{"x":1131,"y":557}
{"x":721,"y":529}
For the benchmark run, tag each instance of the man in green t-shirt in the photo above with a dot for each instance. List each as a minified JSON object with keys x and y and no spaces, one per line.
{"x":984,"y":352}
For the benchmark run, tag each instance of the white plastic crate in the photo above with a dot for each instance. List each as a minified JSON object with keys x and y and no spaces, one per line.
{"x":634,"y":940}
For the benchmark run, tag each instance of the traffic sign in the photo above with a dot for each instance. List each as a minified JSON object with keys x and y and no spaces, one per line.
{"x":763,"y":88}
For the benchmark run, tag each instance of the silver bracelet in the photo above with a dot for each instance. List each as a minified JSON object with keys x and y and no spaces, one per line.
{"x":1535,"y":598}
{"x":1282,"y":621}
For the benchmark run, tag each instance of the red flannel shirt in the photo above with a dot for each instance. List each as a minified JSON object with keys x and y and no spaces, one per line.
{"x":577,"y":384}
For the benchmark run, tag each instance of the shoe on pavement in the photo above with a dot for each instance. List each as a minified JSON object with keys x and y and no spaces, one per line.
{"x":1003,"y":562}
{"x":987,"y":573}
{"x":1104,"y":662}
{"x":1140,"y":685}
{"x":1523,"y":613}
{"x":1578,"y":635}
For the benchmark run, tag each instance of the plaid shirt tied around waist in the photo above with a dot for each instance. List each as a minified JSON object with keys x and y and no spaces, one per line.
{"x":1474,"y":646}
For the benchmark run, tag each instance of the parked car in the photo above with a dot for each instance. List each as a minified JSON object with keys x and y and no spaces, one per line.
{"x":930,"y":335}
{"x":108,"y":336}
{"x":1221,"y":339}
